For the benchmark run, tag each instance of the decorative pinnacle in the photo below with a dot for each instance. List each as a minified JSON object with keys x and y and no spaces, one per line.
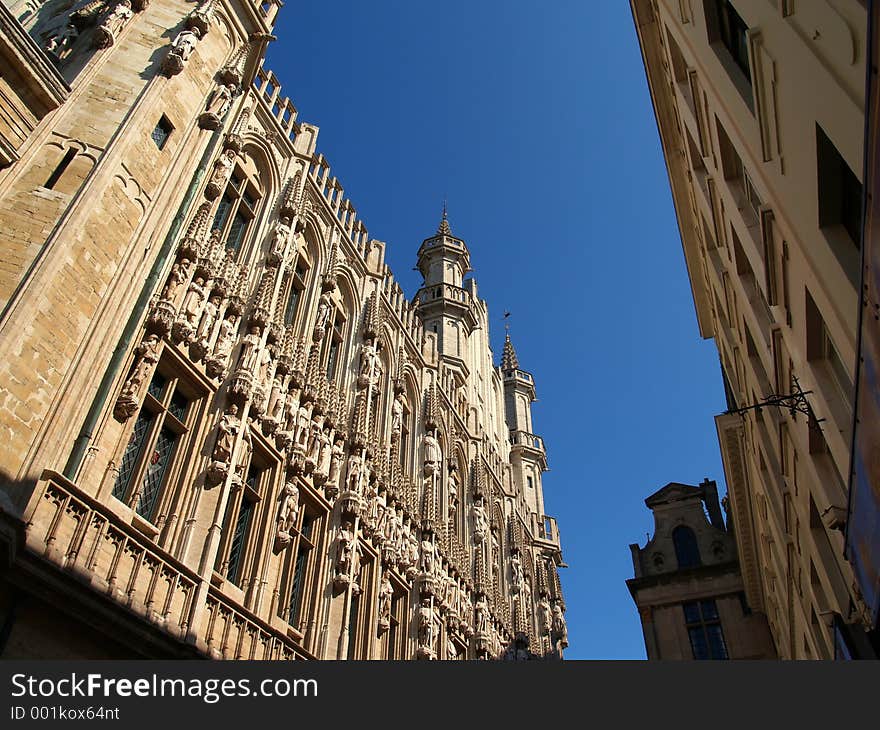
{"x":509,"y":362}
{"x":443,"y":229}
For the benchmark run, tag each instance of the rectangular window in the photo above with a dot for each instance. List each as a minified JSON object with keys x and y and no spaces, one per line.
{"x":821,"y":348}
{"x":704,"y":630}
{"x":237,"y":231}
{"x":162,"y":132}
{"x":840,"y":192}
{"x":239,"y":539}
{"x":728,"y":35}
{"x":300,"y":566}
{"x":353,"y":619}
{"x":292,"y":302}
{"x":155,"y":473}
{"x":222,"y":214}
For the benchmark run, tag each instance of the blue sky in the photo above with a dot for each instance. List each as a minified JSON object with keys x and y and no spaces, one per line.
{"x":534,"y":120}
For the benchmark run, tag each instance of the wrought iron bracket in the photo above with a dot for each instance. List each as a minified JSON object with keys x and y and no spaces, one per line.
{"x":795,"y":402}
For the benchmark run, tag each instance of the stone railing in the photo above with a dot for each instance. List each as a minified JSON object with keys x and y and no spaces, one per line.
{"x":524,"y":438}
{"x":83,"y":537}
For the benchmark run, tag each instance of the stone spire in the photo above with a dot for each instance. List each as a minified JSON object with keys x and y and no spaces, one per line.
{"x":509,"y":363}
{"x":443,"y":229}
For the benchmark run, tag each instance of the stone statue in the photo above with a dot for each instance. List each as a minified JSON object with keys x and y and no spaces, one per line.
{"x":192,"y":302}
{"x":398,"y":407}
{"x":226,"y":337}
{"x":352,"y":478}
{"x":288,"y":511}
{"x":220,"y":100}
{"x":185,"y":43}
{"x":279,"y":240}
{"x":369,"y":359}
{"x":220,"y":174}
{"x":344,"y":550}
{"x":113,"y":24}
{"x":265,"y":364}
{"x":560,"y":630}
{"x":176,"y":279}
{"x":452,"y":482}
{"x":303,"y":424}
{"x":516,"y":573}
{"x":481,"y":524}
{"x":250,"y":350}
{"x":433,"y":455}
{"x":337,"y":454}
{"x":386,"y":594}
{"x":481,"y":615}
{"x":209,"y":316}
{"x":325,"y":307}
{"x":325,"y":455}
{"x":147,"y":357}
{"x":227,"y":430}
{"x":426,"y":562}
{"x":426,"y":625}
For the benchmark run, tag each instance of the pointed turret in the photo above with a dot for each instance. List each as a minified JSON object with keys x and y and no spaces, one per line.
{"x":509,"y":363}
{"x":445,"y":306}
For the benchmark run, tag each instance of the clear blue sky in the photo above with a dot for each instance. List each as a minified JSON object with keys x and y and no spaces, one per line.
{"x":534,"y":120}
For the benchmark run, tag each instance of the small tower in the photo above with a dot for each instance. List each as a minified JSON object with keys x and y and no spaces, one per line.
{"x":527,"y":453}
{"x":445,"y":306}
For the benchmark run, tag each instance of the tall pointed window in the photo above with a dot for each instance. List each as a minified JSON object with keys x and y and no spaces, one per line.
{"x":237,"y":207}
{"x":156,"y":437}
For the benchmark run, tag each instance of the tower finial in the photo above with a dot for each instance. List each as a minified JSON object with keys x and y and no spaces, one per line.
{"x":444,"y":229}
{"x":509,"y":362}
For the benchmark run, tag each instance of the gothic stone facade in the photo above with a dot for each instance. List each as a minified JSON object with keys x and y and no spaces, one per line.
{"x":226,"y":432}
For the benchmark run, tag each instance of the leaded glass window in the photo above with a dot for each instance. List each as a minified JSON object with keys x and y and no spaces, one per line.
{"x":704,"y":630}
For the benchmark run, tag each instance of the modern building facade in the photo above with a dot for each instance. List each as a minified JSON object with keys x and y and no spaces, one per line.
{"x":761,"y":112}
{"x":226,"y":431}
{"x":688,"y":586}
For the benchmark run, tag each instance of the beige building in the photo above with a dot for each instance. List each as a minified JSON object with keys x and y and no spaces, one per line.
{"x":688,"y":587}
{"x":760,"y":107}
{"x":226,"y":431}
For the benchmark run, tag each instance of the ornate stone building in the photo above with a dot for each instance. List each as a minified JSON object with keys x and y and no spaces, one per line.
{"x":761,"y":111}
{"x":687,"y":583}
{"x":226,"y":430}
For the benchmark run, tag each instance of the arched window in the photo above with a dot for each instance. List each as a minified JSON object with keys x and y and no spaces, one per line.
{"x":237,"y":208}
{"x":687,"y":552}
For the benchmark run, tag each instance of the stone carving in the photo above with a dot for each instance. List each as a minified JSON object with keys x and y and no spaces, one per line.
{"x":287,"y":513}
{"x":278,"y":247}
{"x":206,"y":323}
{"x":353,"y":473}
{"x":324,"y":456}
{"x":337,"y":455}
{"x":106,"y":34}
{"x":369,"y":364}
{"x":221,"y":457}
{"x":516,"y":573}
{"x":398,"y":408}
{"x":60,"y":44}
{"x":481,"y":523}
{"x":426,"y":554}
{"x":347,"y":557}
{"x":250,"y":350}
{"x":560,"y":630}
{"x":192,"y":302}
{"x":433,"y":455}
{"x":218,"y":104}
{"x":181,"y":49}
{"x":176,"y":279}
{"x":386,"y":593}
{"x":452,"y":488}
{"x":216,"y":364}
{"x":325,"y":307}
{"x":426,"y":629}
{"x":129,"y":399}
{"x":220,"y":175}
{"x":481,"y":615}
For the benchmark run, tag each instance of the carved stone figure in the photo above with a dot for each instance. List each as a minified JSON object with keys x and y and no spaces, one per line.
{"x":265,"y":364}
{"x":426,"y":554}
{"x":218,"y":104}
{"x":250,"y":350}
{"x":560,"y":630}
{"x":227,"y":430}
{"x":278,"y":247}
{"x":353,"y":473}
{"x":226,"y":337}
{"x":398,"y":407}
{"x":113,"y":24}
{"x":426,"y":625}
{"x":481,"y":615}
{"x":481,"y":523}
{"x":220,"y":174}
{"x":386,"y":593}
{"x":452,"y":486}
{"x":344,"y":550}
{"x":209,"y":316}
{"x":369,"y":359}
{"x":288,"y":511}
{"x":325,"y":454}
{"x":337,"y":455}
{"x":192,"y":302}
{"x":325,"y":307}
{"x":181,"y":49}
{"x":176,"y":279}
{"x":516,"y":573}
{"x":129,"y":398}
{"x":433,"y":456}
